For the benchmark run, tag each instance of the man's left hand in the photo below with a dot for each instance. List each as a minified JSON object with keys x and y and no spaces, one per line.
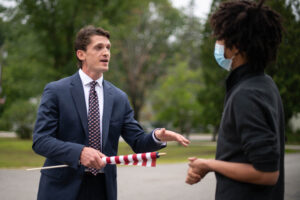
{"x":197,"y":170}
{"x":166,"y":135}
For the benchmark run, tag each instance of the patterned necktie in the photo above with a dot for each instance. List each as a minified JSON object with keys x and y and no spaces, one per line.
{"x":94,"y":122}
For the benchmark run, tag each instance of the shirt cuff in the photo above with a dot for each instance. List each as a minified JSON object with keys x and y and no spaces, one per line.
{"x":156,"y":139}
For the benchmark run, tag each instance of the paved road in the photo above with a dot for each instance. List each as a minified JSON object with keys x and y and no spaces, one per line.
{"x":138,"y":183}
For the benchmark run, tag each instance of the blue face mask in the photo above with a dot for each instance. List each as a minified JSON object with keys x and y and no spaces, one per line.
{"x":219,"y":56}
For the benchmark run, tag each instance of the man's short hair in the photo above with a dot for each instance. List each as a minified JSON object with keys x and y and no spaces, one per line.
{"x":83,"y":39}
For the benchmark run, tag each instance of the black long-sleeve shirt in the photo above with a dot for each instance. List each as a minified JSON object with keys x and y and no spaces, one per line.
{"x":251,"y":131}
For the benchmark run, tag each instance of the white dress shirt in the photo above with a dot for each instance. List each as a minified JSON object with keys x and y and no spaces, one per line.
{"x":86,"y":80}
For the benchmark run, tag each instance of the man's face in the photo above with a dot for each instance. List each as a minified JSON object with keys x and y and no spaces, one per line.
{"x":96,"y":58}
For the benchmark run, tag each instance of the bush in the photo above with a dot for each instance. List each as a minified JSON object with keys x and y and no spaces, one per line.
{"x":20,"y":117}
{"x":293,"y":137}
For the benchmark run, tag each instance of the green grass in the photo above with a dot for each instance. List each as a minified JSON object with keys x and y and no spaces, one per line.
{"x":176,"y":153}
{"x":292,"y":151}
{"x":293,"y":138}
{"x":16,"y":153}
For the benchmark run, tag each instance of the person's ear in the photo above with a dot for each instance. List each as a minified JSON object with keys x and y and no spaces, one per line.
{"x":80,"y":55}
{"x":235,"y":50}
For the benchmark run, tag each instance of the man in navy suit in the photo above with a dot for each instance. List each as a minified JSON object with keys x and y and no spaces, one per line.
{"x":63,"y":128}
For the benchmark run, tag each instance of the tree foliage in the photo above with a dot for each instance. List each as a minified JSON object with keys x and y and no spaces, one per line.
{"x":154,"y":47}
{"x":20,"y":117}
{"x":213,"y":92}
{"x":144,"y":49}
{"x":285,"y":71}
{"x":56,"y":23}
{"x":39,"y":39}
{"x":175,"y":101}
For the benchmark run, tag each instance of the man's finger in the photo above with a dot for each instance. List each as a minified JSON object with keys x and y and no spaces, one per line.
{"x":192,"y":159}
{"x":182,"y":140}
{"x":191,"y":180}
{"x":193,"y":175}
{"x":192,"y":165}
{"x":99,"y":163}
{"x":162,"y":131}
{"x":101,"y":154}
{"x":185,"y":140}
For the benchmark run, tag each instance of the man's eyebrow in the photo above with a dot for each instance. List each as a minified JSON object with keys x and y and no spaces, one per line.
{"x":101,"y":43}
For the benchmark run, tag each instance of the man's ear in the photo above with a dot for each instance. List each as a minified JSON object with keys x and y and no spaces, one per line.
{"x":235,"y":50}
{"x":80,"y":55}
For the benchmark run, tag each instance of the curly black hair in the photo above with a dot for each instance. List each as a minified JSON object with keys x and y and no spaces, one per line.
{"x":253,"y":28}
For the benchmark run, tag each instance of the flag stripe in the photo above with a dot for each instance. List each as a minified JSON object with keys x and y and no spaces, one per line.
{"x":130,"y":160}
{"x":135,"y":160}
{"x":142,"y":159}
{"x":108,"y":160}
{"x":121,"y":158}
{"x":126,"y":160}
{"x":117,"y":160}
{"x":153,"y":156}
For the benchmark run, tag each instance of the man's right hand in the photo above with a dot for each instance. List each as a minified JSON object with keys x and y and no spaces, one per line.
{"x":92,"y":158}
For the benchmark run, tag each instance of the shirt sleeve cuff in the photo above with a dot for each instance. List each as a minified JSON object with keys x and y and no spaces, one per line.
{"x":157,"y":141}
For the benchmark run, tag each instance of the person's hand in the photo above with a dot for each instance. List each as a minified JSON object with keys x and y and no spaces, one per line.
{"x":192,"y":177}
{"x":199,"y":165}
{"x":91,"y":157}
{"x":197,"y":170}
{"x":166,"y":135}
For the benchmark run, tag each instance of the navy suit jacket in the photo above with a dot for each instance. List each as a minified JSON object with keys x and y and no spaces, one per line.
{"x":61,"y":132}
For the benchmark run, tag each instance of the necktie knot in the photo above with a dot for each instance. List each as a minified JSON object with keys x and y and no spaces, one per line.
{"x":93,"y":85}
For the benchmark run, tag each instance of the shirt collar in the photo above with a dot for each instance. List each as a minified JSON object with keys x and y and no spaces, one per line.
{"x":241,"y":73}
{"x":86,"y":80}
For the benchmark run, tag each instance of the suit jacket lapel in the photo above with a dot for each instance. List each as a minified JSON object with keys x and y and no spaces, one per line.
{"x":107,"y":109}
{"x":78,"y":97}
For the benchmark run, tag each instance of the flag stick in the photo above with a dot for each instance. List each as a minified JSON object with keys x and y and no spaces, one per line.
{"x":61,"y":166}
{"x":50,"y":167}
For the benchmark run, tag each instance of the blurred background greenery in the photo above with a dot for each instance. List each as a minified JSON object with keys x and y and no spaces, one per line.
{"x":162,"y":57}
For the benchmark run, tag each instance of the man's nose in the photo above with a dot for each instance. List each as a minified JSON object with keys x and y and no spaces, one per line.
{"x":106,"y":52}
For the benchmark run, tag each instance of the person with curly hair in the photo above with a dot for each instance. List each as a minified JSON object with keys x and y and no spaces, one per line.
{"x":249,"y":160}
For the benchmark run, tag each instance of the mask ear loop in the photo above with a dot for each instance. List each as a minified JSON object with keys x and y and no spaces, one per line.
{"x":231,"y":61}
{"x":233,"y":58}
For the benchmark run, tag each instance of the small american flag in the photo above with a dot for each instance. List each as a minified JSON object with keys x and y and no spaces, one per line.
{"x":141,"y":159}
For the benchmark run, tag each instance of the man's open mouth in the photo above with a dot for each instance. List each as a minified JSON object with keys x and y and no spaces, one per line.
{"x":104,"y":60}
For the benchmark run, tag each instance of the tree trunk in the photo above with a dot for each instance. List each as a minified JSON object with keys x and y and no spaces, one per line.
{"x":215,"y":132}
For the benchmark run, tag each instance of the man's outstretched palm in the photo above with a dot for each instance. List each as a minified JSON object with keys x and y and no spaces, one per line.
{"x":166,"y":135}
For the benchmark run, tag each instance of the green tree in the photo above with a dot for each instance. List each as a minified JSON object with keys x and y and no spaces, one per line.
{"x":56,"y":22}
{"x":23,"y":78}
{"x":143,"y":49}
{"x":211,"y":96}
{"x":285,"y":71}
{"x":20,"y":117}
{"x":39,"y":41}
{"x":175,"y":100}
{"x":138,"y":28}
